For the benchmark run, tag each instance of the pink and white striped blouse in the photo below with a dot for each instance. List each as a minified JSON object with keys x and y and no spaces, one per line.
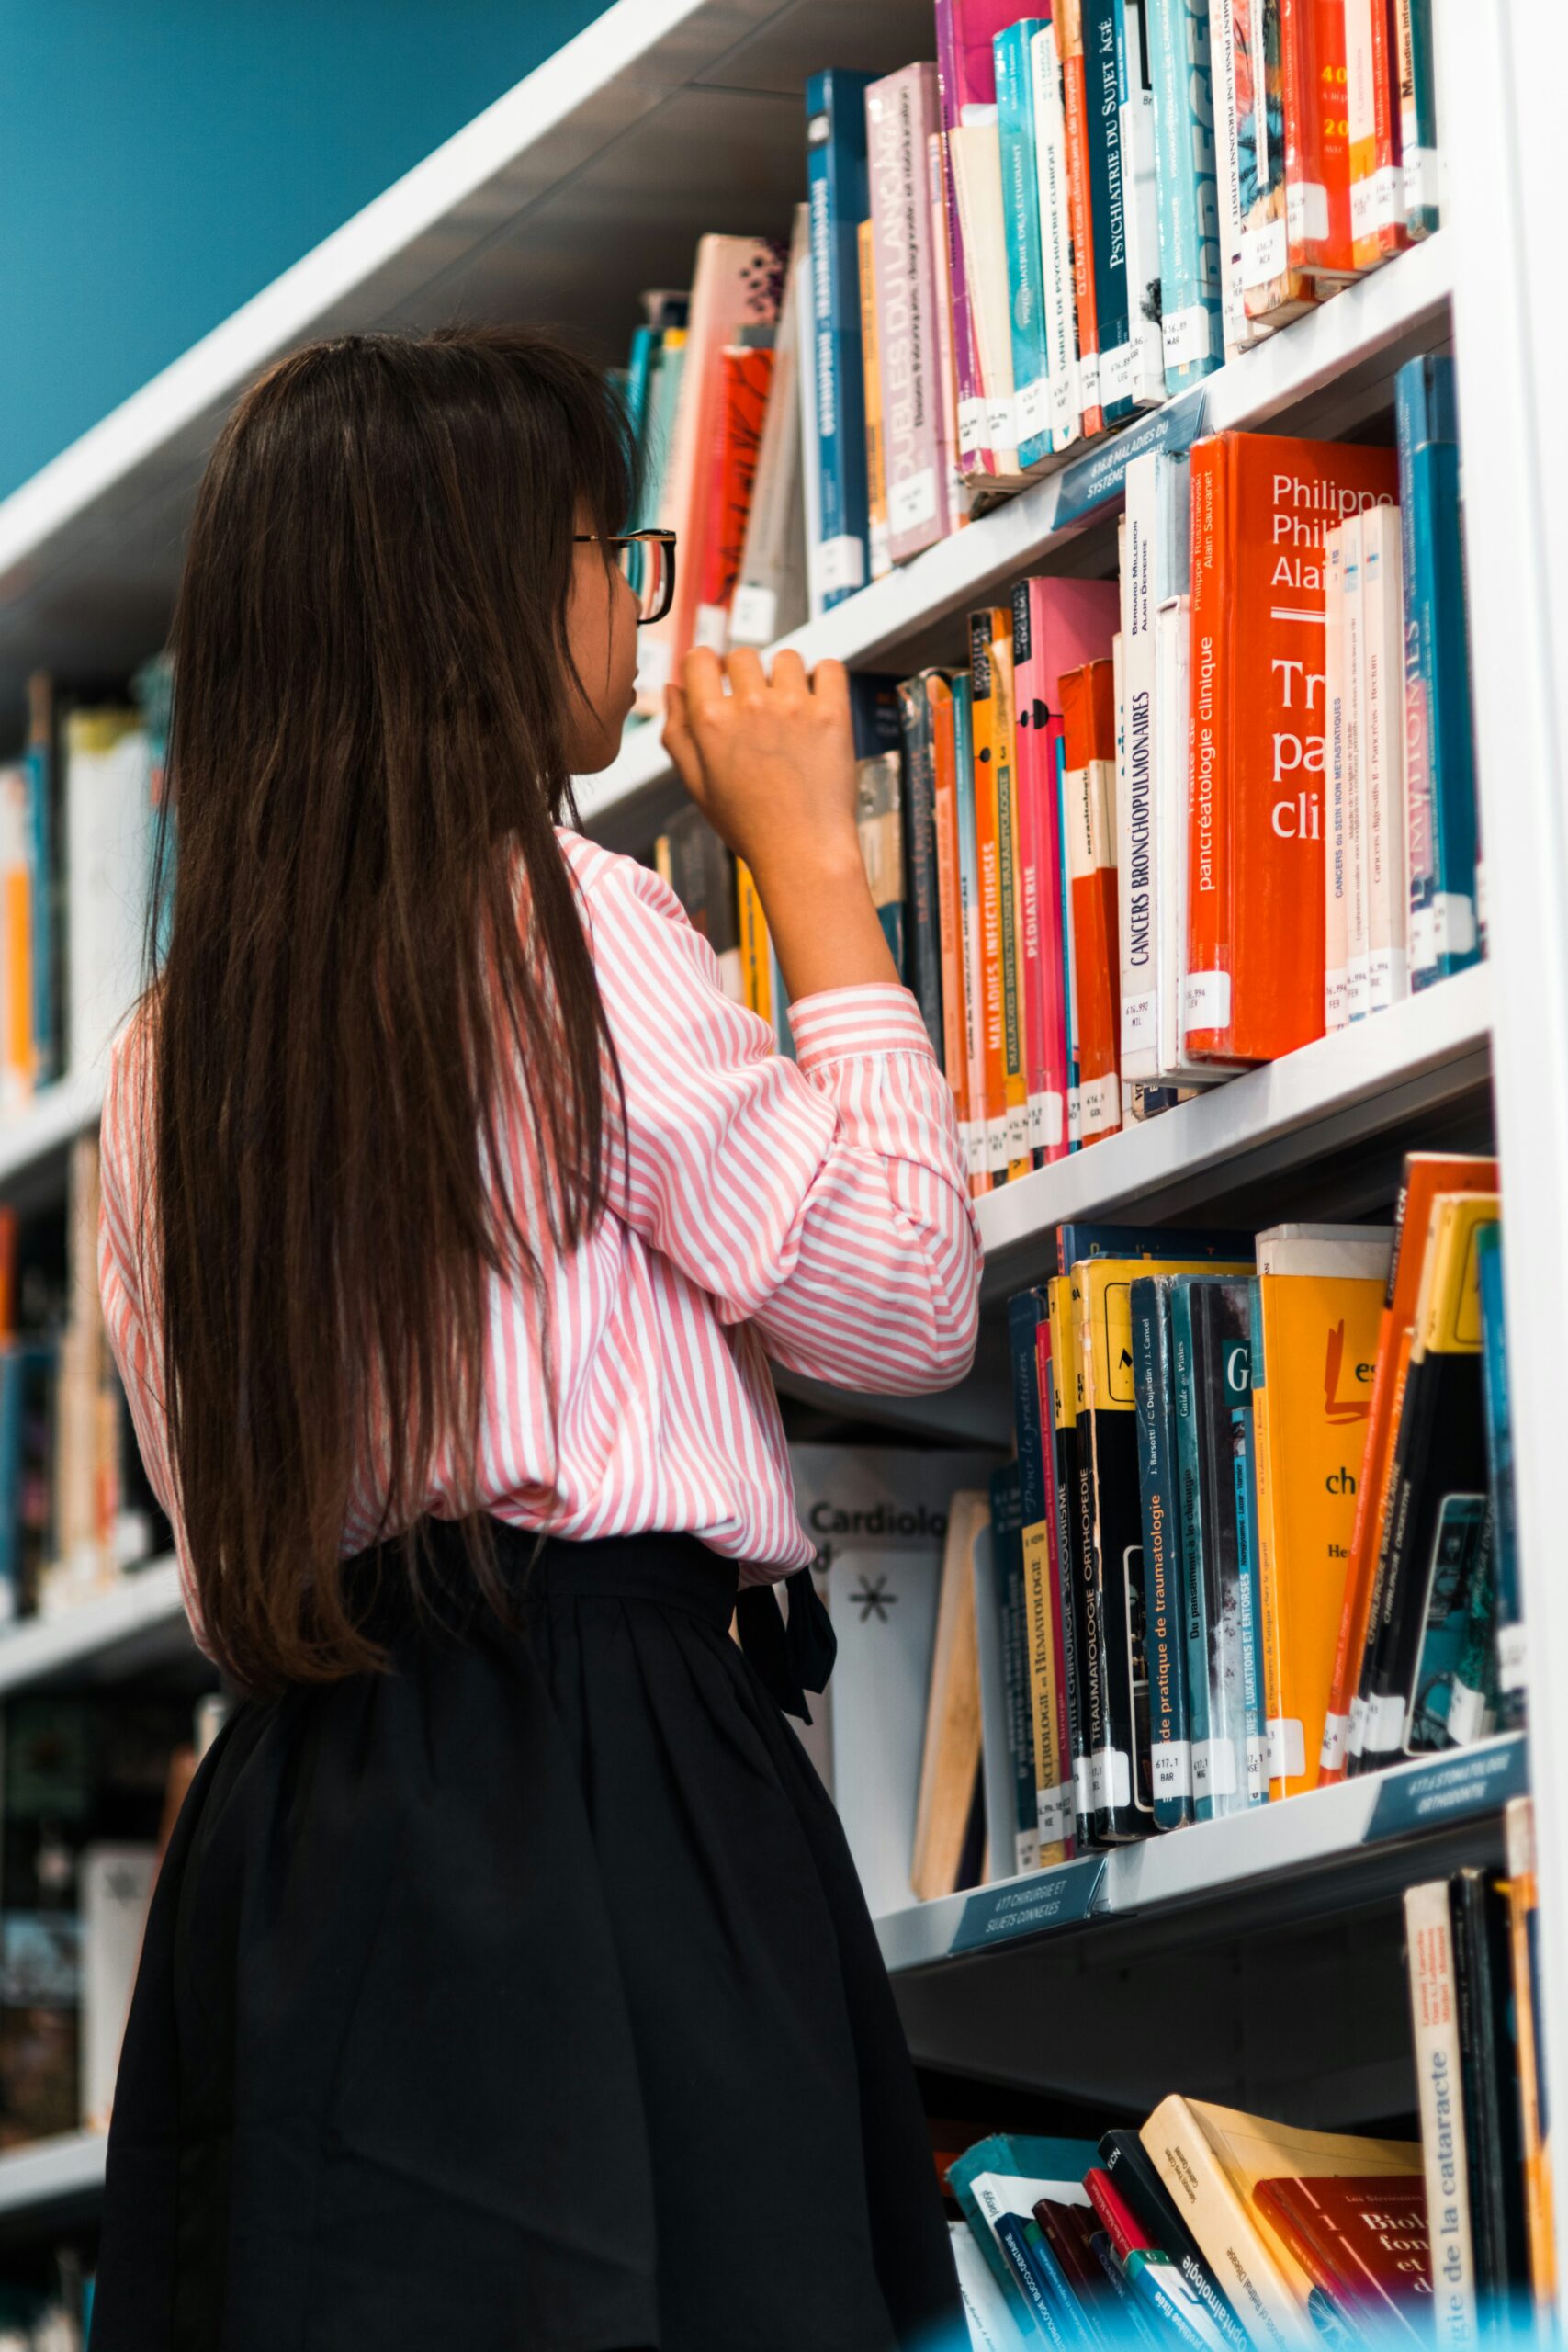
{"x":814,"y":1211}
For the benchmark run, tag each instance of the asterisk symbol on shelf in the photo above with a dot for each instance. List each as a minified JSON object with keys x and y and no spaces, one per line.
{"x":872,"y":1599}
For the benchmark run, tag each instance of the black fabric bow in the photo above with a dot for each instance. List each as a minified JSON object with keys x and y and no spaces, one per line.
{"x":789,"y":1656}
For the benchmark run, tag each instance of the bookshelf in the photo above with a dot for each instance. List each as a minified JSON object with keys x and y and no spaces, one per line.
{"x":50,"y":2177}
{"x":140,"y":1621}
{"x":668,"y":117}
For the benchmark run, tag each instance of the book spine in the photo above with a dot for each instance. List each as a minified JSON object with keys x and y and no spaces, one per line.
{"x":954,"y":512}
{"x":1020,"y":220}
{"x":1075,"y":1647}
{"x":1357,"y":806}
{"x":1059,"y":325}
{"x":1040,"y":819}
{"x":1089,"y":1627}
{"x":1173,"y":642}
{"x":923,"y":952}
{"x":1217,"y":2215}
{"x":1207,"y":1006}
{"x":1130,"y":2165}
{"x":1439,"y":753}
{"x":972,"y":930}
{"x":1056,"y":737}
{"x":1170,"y":1745}
{"x":1386,"y":1488}
{"x":1018,"y":1832}
{"x":1317,"y":151}
{"x":974,"y":450}
{"x":810,"y":445}
{"x":993,"y":947}
{"x":770,"y":597}
{"x":1107,"y":209}
{"x":1075,"y":134}
{"x":1135,"y":873}
{"x":1190,"y":1527}
{"x":1382,"y":747}
{"x":1088,"y":717}
{"x":43,"y":818}
{"x":1135,"y":100}
{"x":1252,"y":1746}
{"x":1004,"y":740}
{"x":1509,"y":1643}
{"x":17,"y":1057}
{"x":1191,"y":324}
{"x":1058,"y":1574}
{"x":901,"y":116}
{"x":949,"y":893}
{"x":1377,"y":183}
{"x":835,"y":134}
{"x":871,"y":391}
{"x":1420,"y":156}
{"x":1337,"y":832}
{"x":1272,"y":289}
{"x":1237,"y":330}
{"x":1518,"y":1832}
{"x":1434,"y":2010}
{"x":745,"y":377}
{"x":1122,"y":1784}
{"x":1053,"y":1801}
{"x":755,"y":967}
{"x":1011,"y":2233}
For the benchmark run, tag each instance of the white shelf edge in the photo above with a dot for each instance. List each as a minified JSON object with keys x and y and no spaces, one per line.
{"x":1210,"y":1858}
{"x":1442,"y":1026}
{"x":72,"y":2164}
{"x":54,"y":1117}
{"x":143,"y":1600}
{"x":1354,"y":325}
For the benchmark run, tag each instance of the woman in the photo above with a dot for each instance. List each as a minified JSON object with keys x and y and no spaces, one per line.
{"x":507,"y":1982}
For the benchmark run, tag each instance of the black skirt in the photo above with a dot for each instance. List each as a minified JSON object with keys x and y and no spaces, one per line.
{"x":525,"y":1996}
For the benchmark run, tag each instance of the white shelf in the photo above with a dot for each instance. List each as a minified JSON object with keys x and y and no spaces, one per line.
{"x":51,"y":2172}
{"x":540,"y":209}
{"x":141,"y":1618}
{"x":1343,"y":1088}
{"x":1320,"y":1832}
{"x":1326,"y":368}
{"x":51,"y":1120}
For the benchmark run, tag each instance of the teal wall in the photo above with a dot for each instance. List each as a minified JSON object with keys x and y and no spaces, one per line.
{"x":161,"y":160}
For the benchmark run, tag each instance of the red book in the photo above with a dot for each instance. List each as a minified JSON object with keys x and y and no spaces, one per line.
{"x":744,"y":377}
{"x":1068,"y":2229}
{"x":1126,"y":2232}
{"x":1074,"y":110}
{"x":1371,"y":112}
{"x":1089,"y":719}
{"x":1255,"y":886}
{"x":1317,"y":138}
{"x":1363,"y":2241}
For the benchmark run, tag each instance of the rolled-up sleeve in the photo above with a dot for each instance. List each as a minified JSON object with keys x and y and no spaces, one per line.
{"x":824,"y":1201}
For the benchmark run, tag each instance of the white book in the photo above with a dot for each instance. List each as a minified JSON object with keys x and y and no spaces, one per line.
{"x":810,"y":449}
{"x":1173,"y":686}
{"x":879,"y":1518}
{"x":1060,"y":322}
{"x":975,"y":156}
{"x":1136,"y":846}
{"x":1382,"y":757}
{"x":1142,"y":194}
{"x":1336,"y":824}
{"x":1357,"y":927}
{"x":986,"y":2313}
{"x":1434,"y":2015}
{"x":108,"y":850}
{"x":1240,"y":331}
{"x":1360,"y":1252}
{"x":114,"y":1884}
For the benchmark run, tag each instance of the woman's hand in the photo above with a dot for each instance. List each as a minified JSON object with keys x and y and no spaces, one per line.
{"x":771,"y":766}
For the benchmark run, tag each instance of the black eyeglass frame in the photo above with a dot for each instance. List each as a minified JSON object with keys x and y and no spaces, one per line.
{"x":666,"y":539}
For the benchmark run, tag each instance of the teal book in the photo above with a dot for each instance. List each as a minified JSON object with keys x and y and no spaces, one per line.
{"x":1191,"y":329}
{"x":1250,"y":1592}
{"x":840,"y":199}
{"x":1004,"y":2174}
{"x":1078,"y":1241}
{"x":667,"y":367}
{"x":1140,"y":201}
{"x":1210,"y":1370}
{"x":1165,"y":1606}
{"x":1021,"y":224}
{"x":1509,"y":1639}
{"x":1052,"y":2304}
{"x":1439,"y":743}
{"x":1106,"y":208}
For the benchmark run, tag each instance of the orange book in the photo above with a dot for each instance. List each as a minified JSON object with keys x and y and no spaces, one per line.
{"x":745,"y":376}
{"x":17,"y":1059}
{"x":1069,"y":19}
{"x":1425,"y":1174}
{"x":1314,"y":1334}
{"x":1009,"y":880}
{"x":1088,"y":798}
{"x":993,"y":1110}
{"x":1377,"y":179}
{"x":1255,"y":885}
{"x":756,"y":961}
{"x":950,"y":912}
{"x":1317,"y":143}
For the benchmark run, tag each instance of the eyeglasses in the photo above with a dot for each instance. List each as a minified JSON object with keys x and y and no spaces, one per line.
{"x":646,"y":560}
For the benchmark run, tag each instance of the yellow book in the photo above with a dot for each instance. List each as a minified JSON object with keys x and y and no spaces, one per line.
{"x":1121,"y":1765}
{"x":950,"y":1760}
{"x":756,"y":970}
{"x":1001,"y":748}
{"x":1212,"y":2159}
{"x":871,"y":369}
{"x":1317,"y":1309}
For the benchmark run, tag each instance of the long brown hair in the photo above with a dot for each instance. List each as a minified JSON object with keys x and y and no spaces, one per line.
{"x":368,"y":756}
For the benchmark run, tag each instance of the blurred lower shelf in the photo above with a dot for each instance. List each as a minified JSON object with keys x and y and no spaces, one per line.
{"x":140,"y":1621}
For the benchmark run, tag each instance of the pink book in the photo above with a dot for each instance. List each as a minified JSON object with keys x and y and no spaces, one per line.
{"x":967,"y":74}
{"x":901,"y":113}
{"x":1058,"y":625}
{"x":738,"y":282}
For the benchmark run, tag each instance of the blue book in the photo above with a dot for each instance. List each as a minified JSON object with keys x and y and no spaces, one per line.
{"x":1164,"y":1603}
{"x":1019,"y":2237}
{"x":1510,"y":1642}
{"x":1106,"y":208}
{"x":985,"y":2180}
{"x":1249,"y":1590}
{"x":840,"y":201}
{"x":1440,"y":755}
{"x":1020,"y":223}
{"x":639,"y":370}
{"x":1190,"y":322}
{"x":1138,"y":2327}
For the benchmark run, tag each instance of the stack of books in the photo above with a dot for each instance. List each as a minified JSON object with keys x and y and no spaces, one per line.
{"x":1066,"y":219}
